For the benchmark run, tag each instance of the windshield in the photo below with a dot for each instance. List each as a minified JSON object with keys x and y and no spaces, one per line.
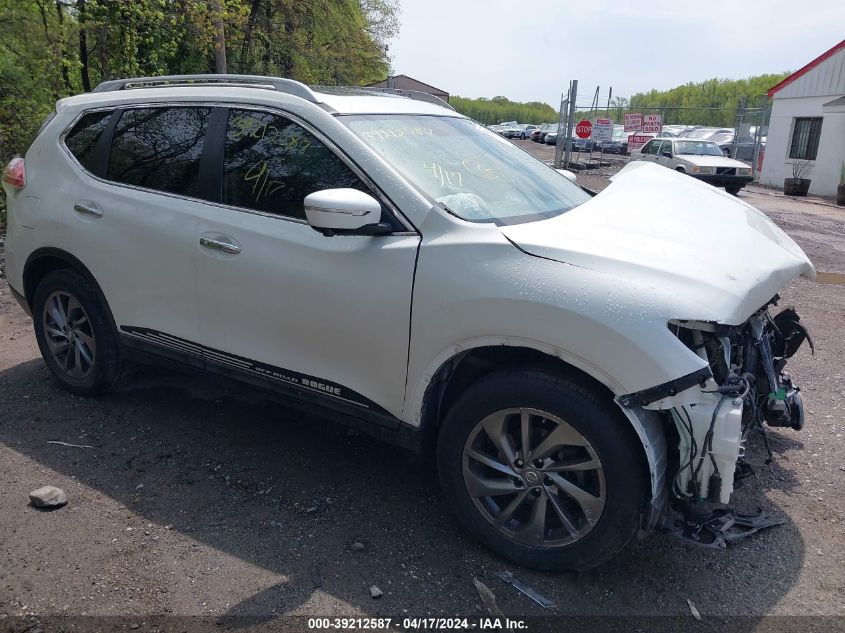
{"x":699,"y":148}
{"x":475,"y":174}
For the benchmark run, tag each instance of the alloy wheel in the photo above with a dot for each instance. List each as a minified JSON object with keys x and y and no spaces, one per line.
{"x":69,"y":334}
{"x":534,"y":477}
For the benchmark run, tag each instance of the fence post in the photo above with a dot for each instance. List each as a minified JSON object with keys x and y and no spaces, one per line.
{"x":561,"y":126}
{"x":570,"y":122}
{"x":740,"y":117}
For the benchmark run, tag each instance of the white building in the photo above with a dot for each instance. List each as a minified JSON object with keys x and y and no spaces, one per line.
{"x":808,"y":122}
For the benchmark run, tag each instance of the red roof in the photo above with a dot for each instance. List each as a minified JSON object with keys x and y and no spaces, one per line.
{"x":803,"y":71}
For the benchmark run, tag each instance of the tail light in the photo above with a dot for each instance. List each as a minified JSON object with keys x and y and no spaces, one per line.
{"x":15,"y":173}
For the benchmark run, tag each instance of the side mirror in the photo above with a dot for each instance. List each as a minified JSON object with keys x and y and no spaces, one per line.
{"x":344,"y":212}
{"x":666,"y":154}
{"x":568,"y":174}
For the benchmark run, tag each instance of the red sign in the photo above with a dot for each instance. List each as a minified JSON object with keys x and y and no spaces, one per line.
{"x":636,"y":141}
{"x":633,"y":122}
{"x":584,"y":129}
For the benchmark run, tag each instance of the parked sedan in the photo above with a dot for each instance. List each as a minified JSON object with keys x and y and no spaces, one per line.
{"x":551,"y":139}
{"x":519,"y":131}
{"x":703,"y":160}
{"x":745,"y":146}
{"x":539,"y":135}
{"x":528,"y":131}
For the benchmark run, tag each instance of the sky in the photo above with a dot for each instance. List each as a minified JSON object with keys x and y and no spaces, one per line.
{"x":529,"y":50}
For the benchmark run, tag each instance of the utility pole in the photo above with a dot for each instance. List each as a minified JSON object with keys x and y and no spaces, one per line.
{"x":609,"y":95}
{"x":570,"y":122}
{"x":219,"y":38}
{"x":561,"y":127}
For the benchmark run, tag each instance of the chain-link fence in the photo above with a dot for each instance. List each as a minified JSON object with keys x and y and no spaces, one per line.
{"x":740,"y":131}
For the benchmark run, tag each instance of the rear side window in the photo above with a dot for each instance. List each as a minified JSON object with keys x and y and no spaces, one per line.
{"x":271,"y":164}
{"x":159,"y":148}
{"x":83,"y":137}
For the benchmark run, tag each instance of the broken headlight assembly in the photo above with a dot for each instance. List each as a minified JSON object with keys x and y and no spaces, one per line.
{"x":748,"y":390}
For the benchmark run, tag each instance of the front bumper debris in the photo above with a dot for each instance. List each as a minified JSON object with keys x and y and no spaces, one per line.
{"x":720,"y":527}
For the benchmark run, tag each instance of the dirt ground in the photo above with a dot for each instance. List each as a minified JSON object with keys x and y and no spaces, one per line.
{"x":198,"y":497}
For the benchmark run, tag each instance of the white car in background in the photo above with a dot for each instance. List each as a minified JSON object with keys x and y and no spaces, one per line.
{"x":582,"y":367}
{"x":703,"y":160}
{"x":521,"y":131}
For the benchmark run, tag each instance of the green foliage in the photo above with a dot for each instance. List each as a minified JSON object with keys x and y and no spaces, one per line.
{"x":51,"y":49}
{"x":711,"y":102}
{"x":499,"y":109}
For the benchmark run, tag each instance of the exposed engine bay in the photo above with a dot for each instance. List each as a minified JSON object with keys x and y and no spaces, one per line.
{"x":749,"y":389}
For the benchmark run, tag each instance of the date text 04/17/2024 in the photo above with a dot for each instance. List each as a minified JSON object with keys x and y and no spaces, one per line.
{"x":417,"y":624}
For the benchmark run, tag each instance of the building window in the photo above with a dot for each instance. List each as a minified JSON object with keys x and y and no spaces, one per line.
{"x":805,"y":138}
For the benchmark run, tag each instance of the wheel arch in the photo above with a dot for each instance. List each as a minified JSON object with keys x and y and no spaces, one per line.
{"x":467,"y":366}
{"x":43,"y":261}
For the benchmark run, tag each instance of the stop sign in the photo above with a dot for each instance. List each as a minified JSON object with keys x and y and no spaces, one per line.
{"x":584,"y":129}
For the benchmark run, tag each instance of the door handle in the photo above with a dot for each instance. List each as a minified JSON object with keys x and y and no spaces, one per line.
{"x":87,"y":210}
{"x":219,"y":245}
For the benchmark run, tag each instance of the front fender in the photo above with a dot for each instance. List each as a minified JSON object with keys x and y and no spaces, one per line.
{"x":614,"y":330}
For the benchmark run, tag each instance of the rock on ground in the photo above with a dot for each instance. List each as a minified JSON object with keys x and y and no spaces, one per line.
{"x":48,"y":497}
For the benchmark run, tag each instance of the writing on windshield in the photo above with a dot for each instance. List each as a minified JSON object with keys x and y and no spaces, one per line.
{"x":475,"y":174}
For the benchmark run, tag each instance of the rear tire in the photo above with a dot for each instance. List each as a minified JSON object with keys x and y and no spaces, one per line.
{"x":76,"y":336}
{"x":575,"y":517}
{"x":734,"y":191}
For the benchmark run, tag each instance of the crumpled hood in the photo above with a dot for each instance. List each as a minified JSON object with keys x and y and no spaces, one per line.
{"x":658,"y":228}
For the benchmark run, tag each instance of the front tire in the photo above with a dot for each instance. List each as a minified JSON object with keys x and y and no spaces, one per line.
{"x":542,"y":469}
{"x":75,"y":334}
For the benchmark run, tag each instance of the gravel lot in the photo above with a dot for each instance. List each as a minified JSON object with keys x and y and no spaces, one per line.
{"x":201,"y":498}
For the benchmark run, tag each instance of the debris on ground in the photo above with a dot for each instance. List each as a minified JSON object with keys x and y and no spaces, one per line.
{"x":69,"y":444}
{"x":375,"y":592}
{"x":693,"y":610}
{"x":524,"y":589}
{"x":357,"y":546}
{"x":488,"y":599}
{"x":48,"y":497}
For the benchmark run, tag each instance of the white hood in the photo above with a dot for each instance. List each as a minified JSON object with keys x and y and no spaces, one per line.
{"x":711,"y":161}
{"x":659,"y":228}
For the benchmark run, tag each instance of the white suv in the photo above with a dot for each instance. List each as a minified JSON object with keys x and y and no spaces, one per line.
{"x":584,"y":367}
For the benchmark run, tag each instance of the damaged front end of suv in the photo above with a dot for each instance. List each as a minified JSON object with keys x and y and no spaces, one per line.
{"x":743,"y":389}
{"x":688,"y":279}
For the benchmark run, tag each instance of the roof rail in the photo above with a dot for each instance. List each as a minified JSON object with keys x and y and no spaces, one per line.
{"x":411,"y":94}
{"x":288,"y":86}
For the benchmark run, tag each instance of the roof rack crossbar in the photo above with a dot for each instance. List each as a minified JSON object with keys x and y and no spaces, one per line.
{"x":411,"y":94}
{"x":288,"y":86}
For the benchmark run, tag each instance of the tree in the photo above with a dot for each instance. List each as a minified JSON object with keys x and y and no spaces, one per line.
{"x":499,"y":109}
{"x":51,"y":49}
